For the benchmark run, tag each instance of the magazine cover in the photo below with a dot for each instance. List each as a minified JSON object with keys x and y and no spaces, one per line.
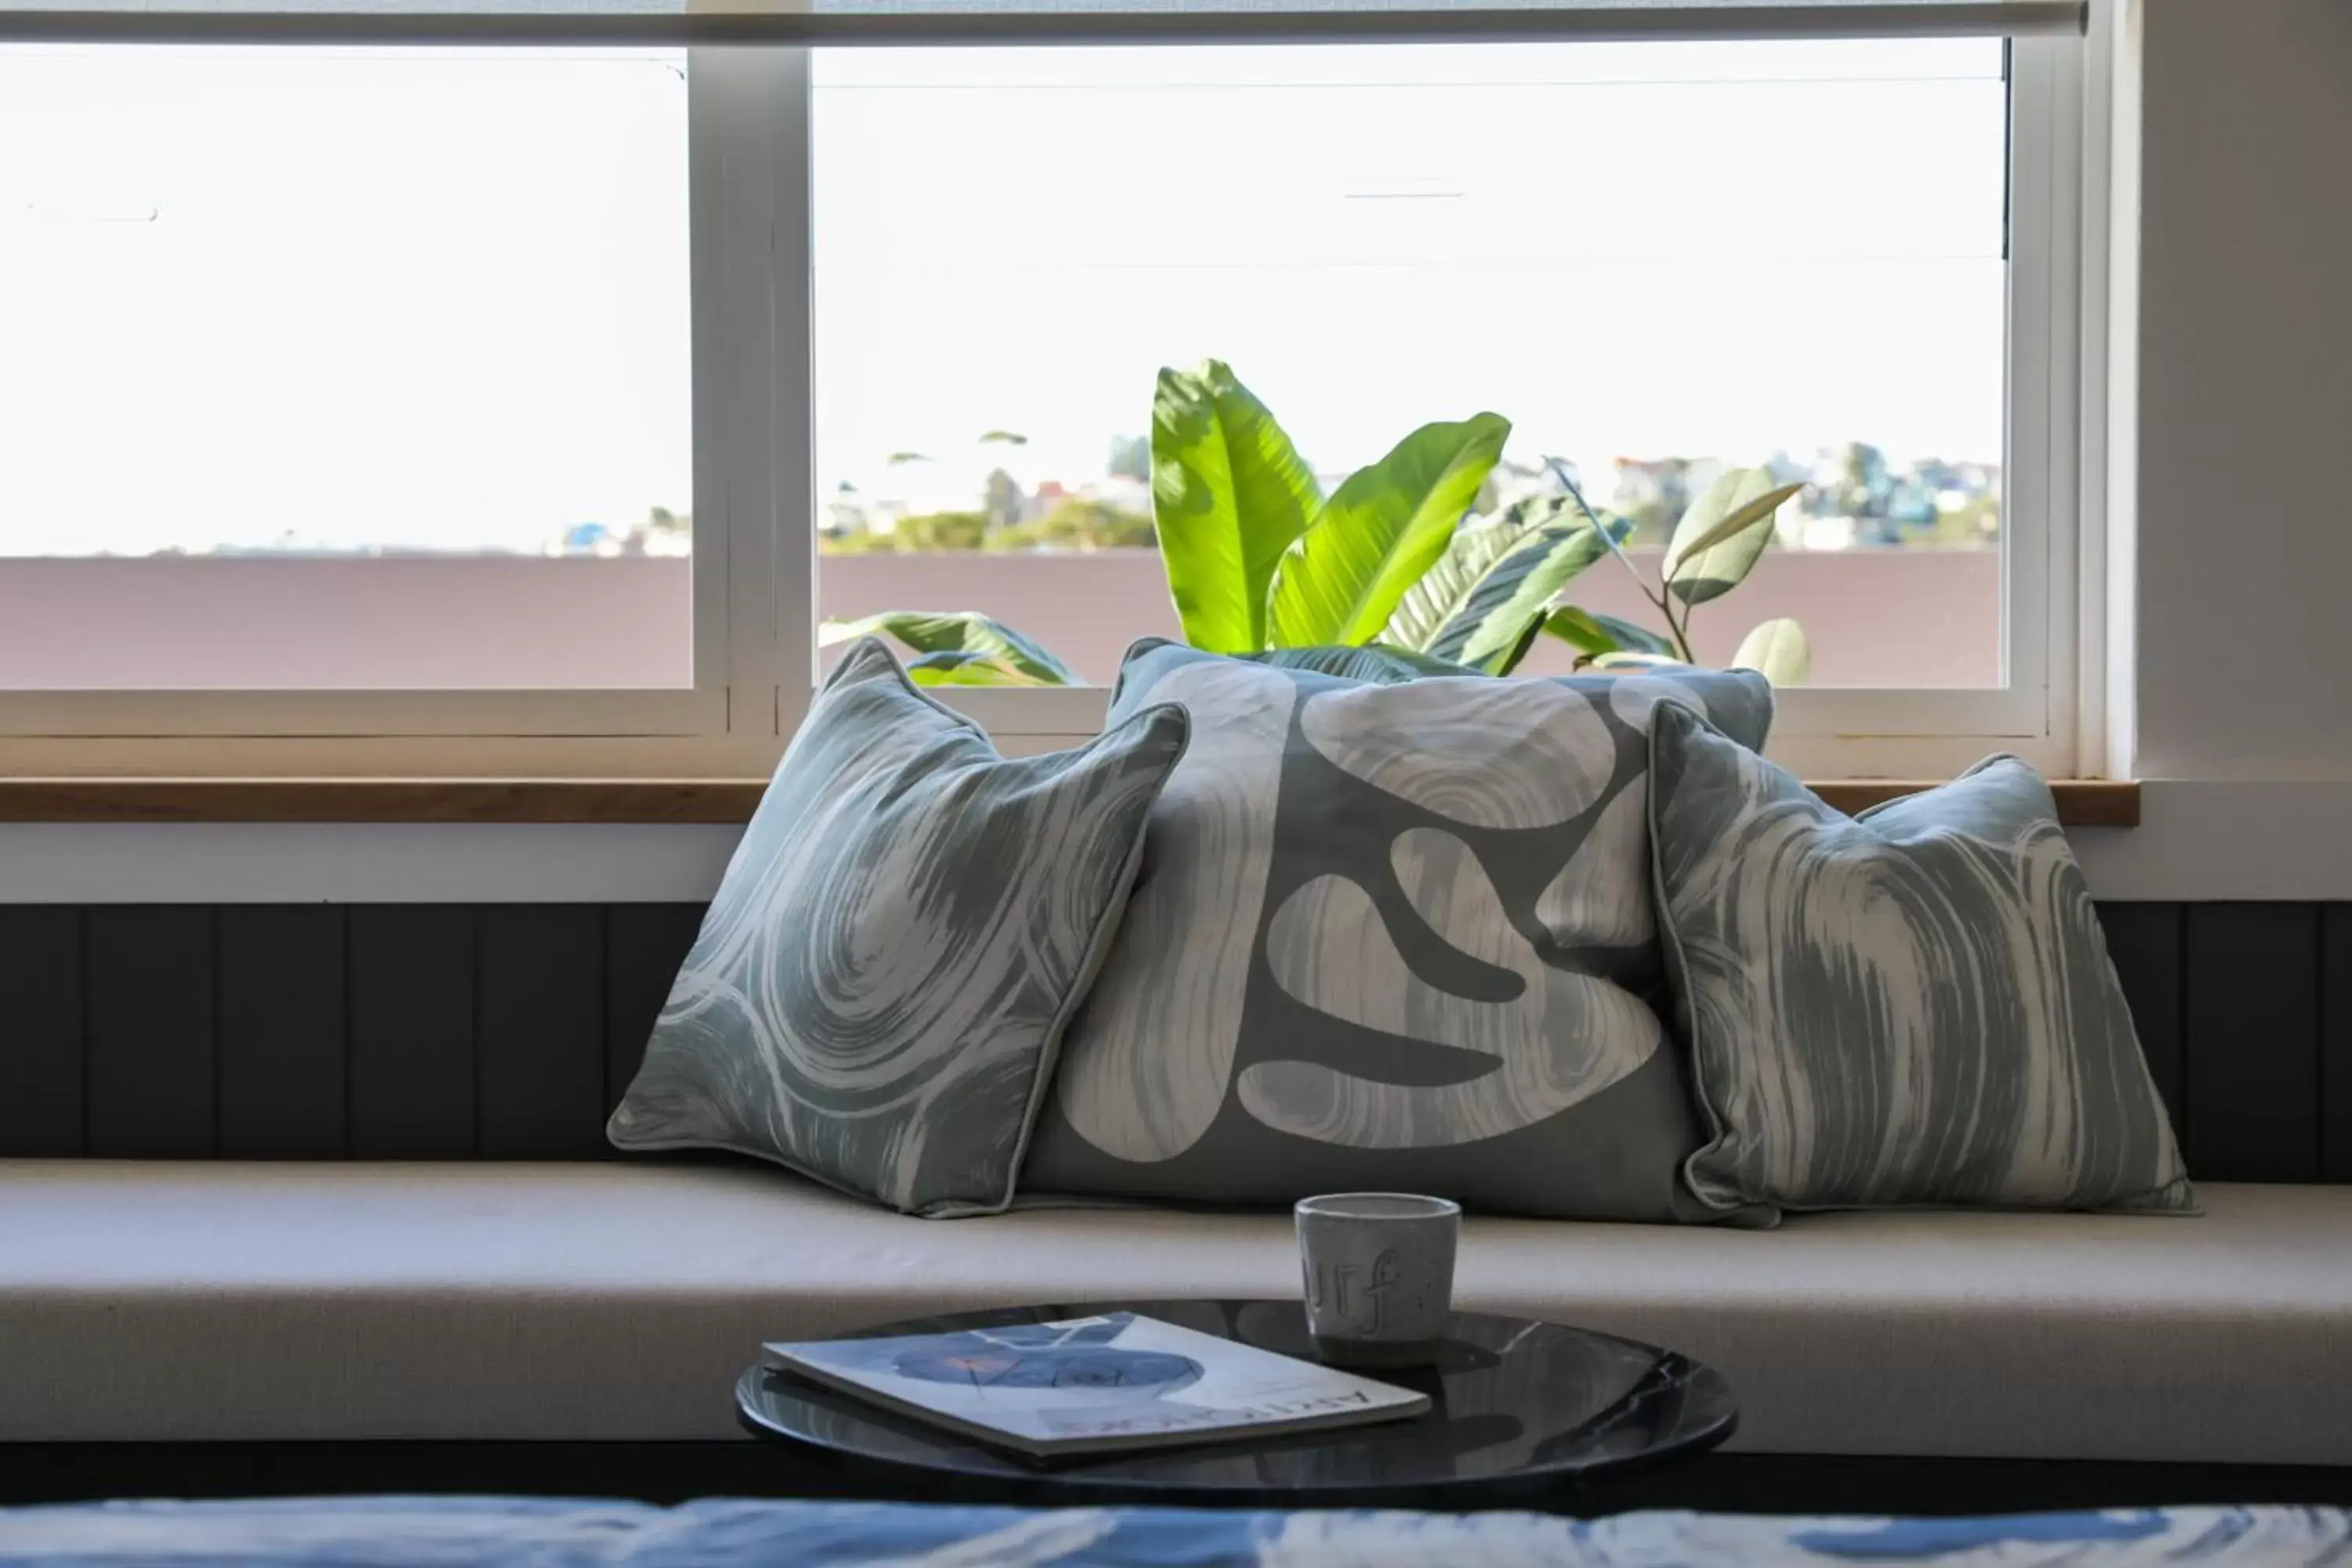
{"x":1091,"y":1385}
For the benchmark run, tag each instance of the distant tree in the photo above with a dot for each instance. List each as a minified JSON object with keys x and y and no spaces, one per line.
{"x":1005,"y":499}
{"x":1080,"y":523}
{"x":1862,"y":486}
{"x":1974,"y":523}
{"x":925,"y":534}
{"x":935,"y":531}
{"x":943,"y":530}
{"x":1131,"y":457}
{"x":1002,"y":438}
{"x":1652,"y":493}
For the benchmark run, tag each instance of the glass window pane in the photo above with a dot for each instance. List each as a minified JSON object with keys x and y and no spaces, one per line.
{"x":1656,"y":259}
{"x":343,"y":368}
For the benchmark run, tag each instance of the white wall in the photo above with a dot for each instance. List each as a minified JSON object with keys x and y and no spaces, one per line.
{"x":2238,"y":450}
{"x":2244,"y":472}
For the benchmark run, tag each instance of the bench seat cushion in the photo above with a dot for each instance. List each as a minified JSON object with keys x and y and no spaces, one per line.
{"x":225,"y":1302}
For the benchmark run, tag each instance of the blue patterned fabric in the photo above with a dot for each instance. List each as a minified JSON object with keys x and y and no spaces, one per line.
{"x":514,"y":1532}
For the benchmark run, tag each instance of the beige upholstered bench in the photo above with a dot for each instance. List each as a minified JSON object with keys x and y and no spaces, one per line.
{"x":224,"y":1301}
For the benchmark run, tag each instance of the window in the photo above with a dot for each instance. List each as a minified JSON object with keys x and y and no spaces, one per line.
{"x":486,"y":407}
{"x":1657,"y":259}
{"x":339,"y":369}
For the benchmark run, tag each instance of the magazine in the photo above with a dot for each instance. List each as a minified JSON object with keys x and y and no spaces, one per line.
{"x":1094,"y":1385}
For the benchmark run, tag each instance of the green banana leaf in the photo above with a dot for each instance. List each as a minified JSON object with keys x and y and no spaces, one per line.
{"x":956,"y":632}
{"x":1229,"y":495}
{"x":1497,"y":638}
{"x":1478,"y":546}
{"x":1511,"y":658}
{"x":1477,"y":603}
{"x":1716,"y":544}
{"x":1341,"y":580}
{"x":1374,"y":662}
{"x":1594,"y":635}
{"x":1624,"y":661}
{"x":964,"y":669}
{"x":1613,"y":534}
{"x":1778,"y":651}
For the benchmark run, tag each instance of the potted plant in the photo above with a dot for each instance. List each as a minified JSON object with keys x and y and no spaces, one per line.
{"x":1392,"y":575}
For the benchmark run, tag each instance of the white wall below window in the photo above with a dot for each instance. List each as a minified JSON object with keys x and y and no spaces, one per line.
{"x":279,"y":863}
{"x":2196,"y":841}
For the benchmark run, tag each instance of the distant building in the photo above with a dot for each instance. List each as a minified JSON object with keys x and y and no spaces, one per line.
{"x":588,"y":538}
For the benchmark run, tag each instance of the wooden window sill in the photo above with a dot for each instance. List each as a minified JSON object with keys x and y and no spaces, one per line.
{"x":716,"y":802}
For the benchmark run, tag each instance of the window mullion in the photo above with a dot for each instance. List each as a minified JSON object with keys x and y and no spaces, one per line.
{"x":751,"y":338}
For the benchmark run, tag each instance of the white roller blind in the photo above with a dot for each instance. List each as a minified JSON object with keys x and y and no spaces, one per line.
{"x":658,"y":22}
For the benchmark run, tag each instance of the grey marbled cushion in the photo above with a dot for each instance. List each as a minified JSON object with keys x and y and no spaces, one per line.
{"x":1911,"y":1007}
{"x":1395,"y":937}
{"x":877,"y":991}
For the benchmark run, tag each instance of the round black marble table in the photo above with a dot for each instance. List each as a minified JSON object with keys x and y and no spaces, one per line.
{"x":1517,"y":1409}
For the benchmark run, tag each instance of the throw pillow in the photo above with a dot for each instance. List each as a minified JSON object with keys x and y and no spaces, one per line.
{"x":1389,"y":937}
{"x":878,"y":989}
{"x":1910,"y":1007}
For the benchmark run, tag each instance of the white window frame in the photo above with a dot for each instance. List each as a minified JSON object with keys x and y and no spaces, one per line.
{"x":755,"y":540}
{"x":2037,"y":713}
{"x":743,"y":192}
{"x":1909,"y":733}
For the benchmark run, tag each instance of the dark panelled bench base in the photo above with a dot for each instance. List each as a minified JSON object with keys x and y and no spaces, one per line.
{"x":495,"y":1032}
{"x":674,"y":1472}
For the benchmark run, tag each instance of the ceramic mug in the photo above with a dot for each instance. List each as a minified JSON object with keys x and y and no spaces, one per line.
{"x":1379,"y":1268}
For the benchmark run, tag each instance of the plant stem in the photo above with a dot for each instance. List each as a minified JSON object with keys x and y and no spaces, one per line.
{"x":1663,"y":600}
{"x":1681,"y":628}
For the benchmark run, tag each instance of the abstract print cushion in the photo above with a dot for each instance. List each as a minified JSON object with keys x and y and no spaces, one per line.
{"x":1910,"y":1007}
{"x":1388,"y":937}
{"x":878,"y":989}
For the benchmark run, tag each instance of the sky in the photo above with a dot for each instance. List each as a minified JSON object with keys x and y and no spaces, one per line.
{"x":440,"y":298}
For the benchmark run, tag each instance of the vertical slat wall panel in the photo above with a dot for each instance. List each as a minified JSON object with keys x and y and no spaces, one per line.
{"x":2253,"y":1023}
{"x":540,"y":1047}
{"x":282,"y":1021}
{"x":148,"y":1038}
{"x":40,"y":1031}
{"x":416,"y":1032}
{"x":2144,"y":940}
{"x":2336,"y":1041}
{"x":411,"y":998}
{"x":644,"y":946}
